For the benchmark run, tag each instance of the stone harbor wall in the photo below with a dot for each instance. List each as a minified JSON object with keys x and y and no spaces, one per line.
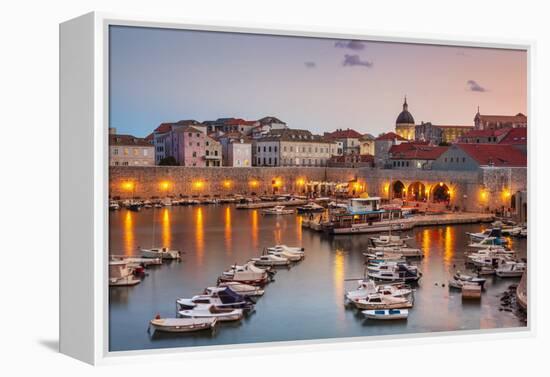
{"x":146,"y":182}
{"x":484,"y":190}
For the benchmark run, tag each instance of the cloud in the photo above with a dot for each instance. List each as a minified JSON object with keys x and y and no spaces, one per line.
{"x":352,"y":45}
{"x":310,"y":64}
{"x":355,"y":60}
{"x":475,"y":87}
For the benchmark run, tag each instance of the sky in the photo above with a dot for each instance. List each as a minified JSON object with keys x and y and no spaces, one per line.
{"x":319,"y":84}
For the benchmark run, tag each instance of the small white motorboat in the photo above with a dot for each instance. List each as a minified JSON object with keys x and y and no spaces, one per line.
{"x":292,"y":249}
{"x":393,"y":271}
{"x":242,"y":289}
{"x":383,"y":256}
{"x":389,"y":240}
{"x":366,"y":287}
{"x":487,"y":243}
{"x":211,"y":311}
{"x":248,"y":274}
{"x":270,"y":260}
{"x":385,"y":314}
{"x":160,"y":252}
{"x":277,"y":210}
{"x":121,"y":275}
{"x":510,"y":269}
{"x":293,"y":257}
{"x":375,"y":301}
{"x":182,"y":325}
{"x":113,"y":205}
{"x":409,"y":252}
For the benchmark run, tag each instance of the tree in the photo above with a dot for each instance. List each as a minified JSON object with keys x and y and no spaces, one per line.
{"x":444,"y":144}
{"x":168,"y":161}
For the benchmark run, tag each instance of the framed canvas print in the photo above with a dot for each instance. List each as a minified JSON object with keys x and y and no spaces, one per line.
{"x":227,"y":187}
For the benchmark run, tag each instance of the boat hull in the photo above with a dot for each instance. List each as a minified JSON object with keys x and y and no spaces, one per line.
{"x":182,"y":325}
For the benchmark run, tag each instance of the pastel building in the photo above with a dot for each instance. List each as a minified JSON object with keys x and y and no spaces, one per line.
{"x":128,"y":150}
{"x":188,"y":146}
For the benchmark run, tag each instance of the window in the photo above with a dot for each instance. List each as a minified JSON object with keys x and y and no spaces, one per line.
{"x":265,"y":149}
{"x":136,"y":151}
{"x":207,"y":152}
{"x":126,"y":151}
{"x":269,"y":148}
{"x":194,"y":154}
{"x":258,"y":149}
{"x":275,"y":148}
{"x":190,"y":134}
{"x":115,"y":151}
{"x":284,"y":148}
{"x":198,"y":144}
{"x":145,"y":152}
{"x":275,"y":161}
{"x":269,"y":161}
{"x":259,"y":161}
{"x":463,"y":159}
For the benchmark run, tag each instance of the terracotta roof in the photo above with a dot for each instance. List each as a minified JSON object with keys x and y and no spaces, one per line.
{"x":485,"y":133}
{"x":412,"y":151}
{"x":128,"y":140}
{"x":150,"y":137}
{"x":518,"y":118}
{"x":270,"y":119}
{"x":345,"y":134}
{"x":295,"y":135}
{"x":240,"y":122}
{"x":163,"y":127}
{"x":390,"y":136}
{"x":495,"y":154}
{"x":515,"y":136}
{"x":347,"y":158}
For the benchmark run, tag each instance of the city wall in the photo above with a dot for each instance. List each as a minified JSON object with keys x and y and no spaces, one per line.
{"x":486,"y":189}
{"x":145,"y":182}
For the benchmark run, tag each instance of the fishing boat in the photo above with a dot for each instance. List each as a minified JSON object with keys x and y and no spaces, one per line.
{"x":242,"y":289}
{"x":160,"y":252}
{"x":510,"y":269}
{"x":375,"y":301}
{"x":459,"y":280}
{"x":211,"y":311}
{"x":291,"y":256}
{"x":393,"y":271}
{"x":137,"y":261}
{"x":113,"y":205}
{"x":386,"y":314}
{"x":248,"y":274}
{"x":292,"y":249}
{"x":223,"y":298}
{"x":121,"y":275}
{"x":389,"y":240}
{"x":488,"y":242}
{"x":182,"y":325}
{"x":480,"y":236}
{"x":368,"y":286}
{"x":408,"y":252}
{"x":311,"y":207}
{"x":277,"y":210}
{"x":270,"y":260}
{"x":383,"y":256}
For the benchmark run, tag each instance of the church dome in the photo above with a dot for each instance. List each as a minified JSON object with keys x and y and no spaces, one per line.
{"x":405,"y":117}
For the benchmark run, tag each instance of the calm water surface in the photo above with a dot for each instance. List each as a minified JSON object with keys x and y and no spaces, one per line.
{"x":305,"y":301}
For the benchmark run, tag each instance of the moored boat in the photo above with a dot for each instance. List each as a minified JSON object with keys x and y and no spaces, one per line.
{"x":160,"y":252}
{"x":211,"y":311}
{"x":270,"y":260}
{"x":376,"y":301}
{"x":510,"y":269}
{"x":277,"y":210}
{"x":182,"y":325}
{"x":242,"y":289}
{"x":386,"y":314}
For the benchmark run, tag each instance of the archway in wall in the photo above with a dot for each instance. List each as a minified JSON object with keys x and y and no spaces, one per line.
{"x":416,"y":192}
{"x":398,"y":189}
{"x":441,"y":193}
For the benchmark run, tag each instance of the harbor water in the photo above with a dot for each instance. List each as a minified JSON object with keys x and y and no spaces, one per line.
{"x":306,"y":301}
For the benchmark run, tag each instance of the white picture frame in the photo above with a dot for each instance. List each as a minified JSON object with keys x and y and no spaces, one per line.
{"x":84,"y":189}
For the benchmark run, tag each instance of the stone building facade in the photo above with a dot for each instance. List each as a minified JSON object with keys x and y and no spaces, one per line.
{"x":128,"y":150}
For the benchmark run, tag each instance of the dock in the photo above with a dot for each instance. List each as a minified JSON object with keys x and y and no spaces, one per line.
{"x":256,"y":205}
{"x":422,"y":220}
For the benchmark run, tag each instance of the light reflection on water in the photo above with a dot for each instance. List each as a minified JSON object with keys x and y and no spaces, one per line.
{"x":305,"y":301}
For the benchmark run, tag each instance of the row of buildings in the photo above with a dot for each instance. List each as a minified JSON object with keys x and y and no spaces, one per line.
{"x":269,"y":142}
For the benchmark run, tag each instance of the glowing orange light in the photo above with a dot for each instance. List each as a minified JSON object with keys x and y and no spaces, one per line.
{"x":198,"y":185}
{"x":164,"y":185}
{"x":128,"y":185}
{"x":300,"y":181}
{"x":484,"y":194}
{"x":227,"y":184}
{"x":386,"y":188}
{"x":277,"y":182}
{"x":253,"y":183}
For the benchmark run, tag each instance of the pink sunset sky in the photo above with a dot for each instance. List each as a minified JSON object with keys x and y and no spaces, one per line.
{"x":162,"y":75}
